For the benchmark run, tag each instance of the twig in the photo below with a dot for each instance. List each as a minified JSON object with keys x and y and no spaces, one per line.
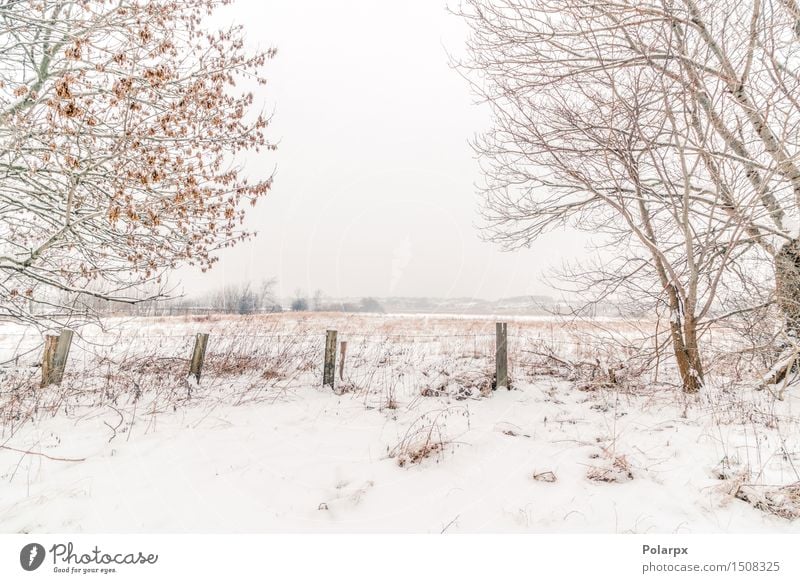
{"x":449,"y":524}
{"x":44,"y":455}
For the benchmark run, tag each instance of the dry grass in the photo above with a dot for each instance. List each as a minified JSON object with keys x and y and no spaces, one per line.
{"x":782,"y":501}
{"x":415,"y":453}
{"x":545,"y":477}
{"x":460,"y":385}
{"x":614,"y":469}
{"x":425,"y":438}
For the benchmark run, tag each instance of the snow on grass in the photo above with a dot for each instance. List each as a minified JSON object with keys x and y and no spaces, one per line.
{"x":259,"y":446}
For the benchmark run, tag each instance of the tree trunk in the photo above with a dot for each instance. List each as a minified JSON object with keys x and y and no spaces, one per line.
{"x":696,"y":374}
{"x":687,"y":355}
{"x":683,"y":332}
{"x":787,"y":286}
{"x":787,"y":295}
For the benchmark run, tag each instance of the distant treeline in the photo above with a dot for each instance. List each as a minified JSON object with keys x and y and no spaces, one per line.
{"x":260,"y":298}
{"x":243,"y":299}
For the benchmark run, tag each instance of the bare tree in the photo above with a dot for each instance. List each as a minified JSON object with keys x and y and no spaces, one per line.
{"x":665,"y":125}
{"x":122,"y":131}
{"x":244,"y":298}
{"x":316,"y":301}
{"x":299,"y":303}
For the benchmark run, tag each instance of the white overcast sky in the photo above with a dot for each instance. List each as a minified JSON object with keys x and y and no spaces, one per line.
{"x":374,"y":191}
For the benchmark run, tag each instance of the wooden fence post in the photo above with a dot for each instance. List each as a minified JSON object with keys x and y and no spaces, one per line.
{"x":50,"y":342}
{"x":54,"y":359}
{"x":198,"y":355}
{"x":328,"y":371}
{"x":342,"y":353}
{"x":61,"y":354}
{"x":501,"y":356}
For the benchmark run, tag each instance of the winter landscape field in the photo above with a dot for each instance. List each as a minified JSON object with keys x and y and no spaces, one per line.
{"x":431,"y":267}
{"x":412,"y":438}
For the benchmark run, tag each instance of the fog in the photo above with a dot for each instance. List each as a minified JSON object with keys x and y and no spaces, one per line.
{"x":374,"y":191}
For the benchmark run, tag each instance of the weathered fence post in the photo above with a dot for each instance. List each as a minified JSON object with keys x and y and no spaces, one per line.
{"x":342,"y":353}
{"x":198,"y":355}
{"x":62,"y":352}
{"x":501,"y":355}
{"x":54,"y":359}
{"x":50,"y":342}
{"x":329,"y":369}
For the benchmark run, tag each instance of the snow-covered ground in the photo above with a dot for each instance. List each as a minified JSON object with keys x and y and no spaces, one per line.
{"x":410,"y":444}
